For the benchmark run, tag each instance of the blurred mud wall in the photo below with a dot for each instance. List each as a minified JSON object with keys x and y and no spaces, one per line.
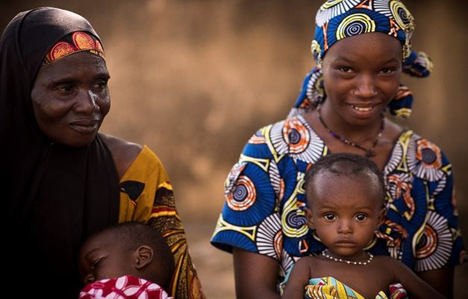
{"x":193,"y":79}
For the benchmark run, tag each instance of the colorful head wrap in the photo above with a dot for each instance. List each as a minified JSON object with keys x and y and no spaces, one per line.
{"x":339,"y":19}
{"x":78,"y":41}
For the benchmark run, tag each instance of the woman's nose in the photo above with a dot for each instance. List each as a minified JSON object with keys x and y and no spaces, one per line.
{"x":86,"y":101}
{"x":365,"y":87}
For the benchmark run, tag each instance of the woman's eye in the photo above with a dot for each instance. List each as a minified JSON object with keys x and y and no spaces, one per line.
{"x":329,"y":217}
{"x":65,"y":89}
{"x":361,"y":217}
{"x":100,"y":85}
{"x":344,"y":69}
{"x":387,"y":70}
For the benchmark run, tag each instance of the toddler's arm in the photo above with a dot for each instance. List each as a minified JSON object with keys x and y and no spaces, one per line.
{"x":416,"y":287}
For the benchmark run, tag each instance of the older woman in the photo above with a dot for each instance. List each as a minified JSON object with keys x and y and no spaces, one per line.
{"x":62,"y":180}
{"x":361,"y":48}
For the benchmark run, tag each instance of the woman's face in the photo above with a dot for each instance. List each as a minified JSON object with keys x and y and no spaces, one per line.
{"x":70,"y":98}
{"x":361,"y":76}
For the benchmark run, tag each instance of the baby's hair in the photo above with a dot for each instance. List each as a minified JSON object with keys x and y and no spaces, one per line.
{"x":344,"y":164}
{"x":132,"y":235}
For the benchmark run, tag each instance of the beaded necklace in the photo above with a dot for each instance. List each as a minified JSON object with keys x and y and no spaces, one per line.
{"x":337,"y":259}
{"x":369,"y":151}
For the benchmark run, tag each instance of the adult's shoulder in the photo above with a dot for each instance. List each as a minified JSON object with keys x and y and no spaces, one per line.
{"x":123,"y":152}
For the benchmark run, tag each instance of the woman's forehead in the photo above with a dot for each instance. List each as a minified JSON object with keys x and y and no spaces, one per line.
{"x":370,"y":44}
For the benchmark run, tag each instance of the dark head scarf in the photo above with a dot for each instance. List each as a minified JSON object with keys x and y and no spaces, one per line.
{"x":54,"y":195}
{"x":336,"y":20}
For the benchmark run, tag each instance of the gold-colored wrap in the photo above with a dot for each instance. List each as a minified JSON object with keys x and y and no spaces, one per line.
{"x":147,"y":196}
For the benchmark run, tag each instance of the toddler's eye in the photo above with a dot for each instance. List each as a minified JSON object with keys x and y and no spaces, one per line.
{"x":329,"y":217}
{"x":387,"y":70}
{"x":361,"y":217}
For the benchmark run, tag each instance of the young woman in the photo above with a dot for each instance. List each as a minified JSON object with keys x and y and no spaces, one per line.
{"x":361,"y":48}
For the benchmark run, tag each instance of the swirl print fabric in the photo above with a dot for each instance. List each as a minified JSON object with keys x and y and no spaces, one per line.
{"x":265,"y":200}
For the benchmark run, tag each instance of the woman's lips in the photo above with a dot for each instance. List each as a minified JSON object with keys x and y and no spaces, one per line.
{"x":363,"y":110}
{"x":85,"y":126}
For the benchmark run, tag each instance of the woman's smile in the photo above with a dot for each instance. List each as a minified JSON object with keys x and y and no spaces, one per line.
{"x":85,"y":126}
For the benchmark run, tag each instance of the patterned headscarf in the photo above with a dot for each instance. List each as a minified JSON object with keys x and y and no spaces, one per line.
{"x":78,"y":41}
{"x":339,"y":19}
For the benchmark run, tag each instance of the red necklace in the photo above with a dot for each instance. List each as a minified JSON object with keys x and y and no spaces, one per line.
{"x":370,"y":152}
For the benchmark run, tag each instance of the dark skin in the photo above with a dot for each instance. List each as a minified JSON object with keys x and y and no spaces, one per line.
{"x":71,"y":98}
{"x":382,"y":271}
{"x":345,"y":219}
{"x":361,"y":76}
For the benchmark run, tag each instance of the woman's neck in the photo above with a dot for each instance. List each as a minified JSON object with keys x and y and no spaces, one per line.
{"x":365,"y":133}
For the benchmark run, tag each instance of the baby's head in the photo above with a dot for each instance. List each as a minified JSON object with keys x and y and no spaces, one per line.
{"x":345,"y":197}
{"x":128,"y":248}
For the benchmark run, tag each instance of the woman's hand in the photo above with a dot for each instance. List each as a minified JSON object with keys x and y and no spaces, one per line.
{"x":255,"y":275}
{"x":441,"y":280}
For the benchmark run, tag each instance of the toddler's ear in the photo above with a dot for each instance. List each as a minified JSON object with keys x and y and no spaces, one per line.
{"x":382,"y":213}
{"x":144,"y":256}
{"x":310,"y":219}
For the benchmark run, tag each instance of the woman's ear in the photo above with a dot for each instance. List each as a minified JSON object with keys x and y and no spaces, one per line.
{"x":144,"y":256}
{"x":310,"y":219}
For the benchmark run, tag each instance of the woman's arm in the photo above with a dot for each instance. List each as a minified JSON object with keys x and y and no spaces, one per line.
{"x":416,"y":287}
{"x":298,"y":279}
{"x":255,"y":275}
{"x":441,"y":280}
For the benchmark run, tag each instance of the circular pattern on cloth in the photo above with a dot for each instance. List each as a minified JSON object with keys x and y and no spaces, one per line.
{"x":395,"y":158}
{"x":293,"y":220}
{"x":315,"y":88}
{"x":243,"y":194}
{"x":309,"y":147}
{"x":425,"y":160}
{"x":355,"y":24}
{"x":296,"y":135}
{"x":400,"y":185}
{"x":83,"y":40}
{"x":402,"y":16}
{"x":269,"y":237}
{"x":333,"y":8}
{"x":233,"y":175}
{"x":434,"y":246}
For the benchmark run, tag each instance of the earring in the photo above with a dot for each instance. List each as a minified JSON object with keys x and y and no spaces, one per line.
{"x":314,"y":234}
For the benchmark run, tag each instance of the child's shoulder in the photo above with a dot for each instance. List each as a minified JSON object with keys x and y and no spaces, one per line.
{"x":385,"y":261}
{"x":310,"y":262}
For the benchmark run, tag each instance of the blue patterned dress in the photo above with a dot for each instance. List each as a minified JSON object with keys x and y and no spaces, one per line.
{"x":265,"y":200}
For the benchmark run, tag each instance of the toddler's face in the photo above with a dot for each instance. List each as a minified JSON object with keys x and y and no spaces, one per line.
{"x":345,"y":211}
{"x":101,"y":257}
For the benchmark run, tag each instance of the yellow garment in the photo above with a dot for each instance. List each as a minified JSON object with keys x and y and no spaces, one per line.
{"x":331,"y":288}
{"x":146,"y":195}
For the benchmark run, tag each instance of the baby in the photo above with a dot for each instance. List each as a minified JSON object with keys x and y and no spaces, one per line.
{"x":345,"y":197}
{"x":129,"y":260}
